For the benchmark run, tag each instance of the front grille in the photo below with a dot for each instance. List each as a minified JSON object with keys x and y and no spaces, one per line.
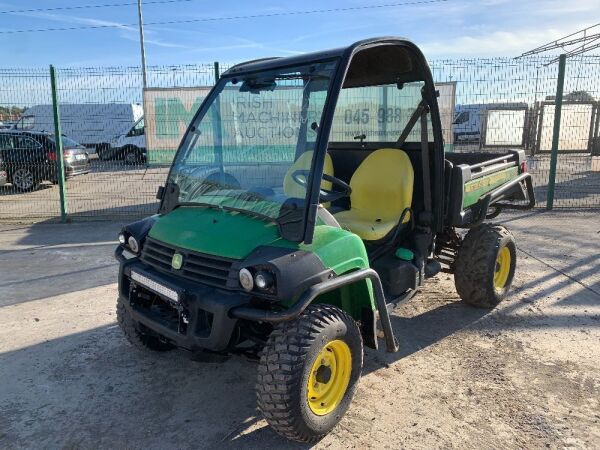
{"x":199,"y":267}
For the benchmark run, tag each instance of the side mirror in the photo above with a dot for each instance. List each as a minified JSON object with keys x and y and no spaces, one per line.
{"x":169,"y":197}
{"x":160,"y":193}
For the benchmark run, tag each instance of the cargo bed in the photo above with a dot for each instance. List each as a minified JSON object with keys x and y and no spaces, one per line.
{"x":480,"y":185}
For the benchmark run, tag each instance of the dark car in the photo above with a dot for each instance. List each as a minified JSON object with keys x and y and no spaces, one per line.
{"x":29,"y":157}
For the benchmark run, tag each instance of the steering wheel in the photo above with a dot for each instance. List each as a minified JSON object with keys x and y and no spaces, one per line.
{"x":300,"y":177}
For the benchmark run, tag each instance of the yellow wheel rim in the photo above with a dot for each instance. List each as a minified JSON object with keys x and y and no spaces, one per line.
{"x":502,"y":270}
{"x":329,"y":377}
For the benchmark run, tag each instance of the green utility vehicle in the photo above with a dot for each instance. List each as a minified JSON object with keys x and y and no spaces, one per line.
{"x":309,"y":196}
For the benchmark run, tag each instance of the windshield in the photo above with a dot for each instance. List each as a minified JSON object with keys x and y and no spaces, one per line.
{"x":251,"y":149}
{"x":67,"y":142}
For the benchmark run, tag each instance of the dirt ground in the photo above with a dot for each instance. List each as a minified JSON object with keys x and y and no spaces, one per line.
{"x":526,"y":375}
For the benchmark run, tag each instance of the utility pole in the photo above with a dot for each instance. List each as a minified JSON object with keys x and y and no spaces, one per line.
{"x":142,"y":47}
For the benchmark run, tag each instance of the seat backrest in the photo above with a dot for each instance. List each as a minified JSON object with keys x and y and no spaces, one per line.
{"x":382,"y":186}
{"x":292,"y":188}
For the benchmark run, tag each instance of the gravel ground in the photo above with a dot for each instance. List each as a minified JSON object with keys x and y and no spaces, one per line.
{"x":525,"y":375}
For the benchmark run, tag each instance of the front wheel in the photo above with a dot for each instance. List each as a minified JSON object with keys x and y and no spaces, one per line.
{"x":308,"y":373}
{"x":485,"y":265}
{"x":135,"y":334}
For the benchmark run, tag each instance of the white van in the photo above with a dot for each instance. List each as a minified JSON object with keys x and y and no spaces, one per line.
{"x":467,"y":123}
{"x":129,"y":146}
{"x":94,"y":125}
{"x":468,"y":119}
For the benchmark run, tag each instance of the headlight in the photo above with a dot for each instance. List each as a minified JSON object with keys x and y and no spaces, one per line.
{"x":122,"y":239}
{"x":256,"y":279}
{"x":246,"y":279}
{"x":263,"y":280}
{"x":133,"y":244}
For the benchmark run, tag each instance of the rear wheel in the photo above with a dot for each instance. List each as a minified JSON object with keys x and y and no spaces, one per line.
{"x":23,"y":179}
{"x":135,"y":335}
{"x":133,"y":155}
{"x":103,"y":152}
{"x":485,"y":265}
{"x":308,"y":373}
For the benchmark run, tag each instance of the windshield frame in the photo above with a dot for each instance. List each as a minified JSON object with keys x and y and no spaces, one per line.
{"x":344,"y":58}
{"x":288,"y":228}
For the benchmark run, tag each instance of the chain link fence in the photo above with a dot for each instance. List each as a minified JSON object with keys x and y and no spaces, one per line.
{"x":115,"y":158}
{"x":21,"y":158}
{"x":122,"y":183}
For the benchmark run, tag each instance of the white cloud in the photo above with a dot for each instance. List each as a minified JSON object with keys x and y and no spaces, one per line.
{"x":500,"y":43}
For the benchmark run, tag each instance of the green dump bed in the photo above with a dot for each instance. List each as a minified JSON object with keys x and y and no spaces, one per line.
{"x":479,"y":185}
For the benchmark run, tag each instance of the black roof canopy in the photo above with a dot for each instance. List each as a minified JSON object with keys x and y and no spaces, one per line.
{"x":391,"y":58}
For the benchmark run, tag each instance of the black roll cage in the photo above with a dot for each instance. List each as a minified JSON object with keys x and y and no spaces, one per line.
{"x":344,"y":56}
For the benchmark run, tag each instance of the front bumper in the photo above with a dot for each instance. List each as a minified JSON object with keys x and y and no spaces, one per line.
{"x":202,"y":313}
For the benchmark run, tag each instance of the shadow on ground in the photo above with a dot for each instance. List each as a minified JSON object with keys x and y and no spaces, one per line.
{"x":92,"y":389}
{"x":45,"y":260}
{"x":580,"y":189}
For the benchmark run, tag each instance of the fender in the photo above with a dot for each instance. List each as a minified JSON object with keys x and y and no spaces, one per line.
{"x":255,"y":314}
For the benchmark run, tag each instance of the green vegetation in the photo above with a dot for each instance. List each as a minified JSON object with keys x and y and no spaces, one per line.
{"x":11,"y":112}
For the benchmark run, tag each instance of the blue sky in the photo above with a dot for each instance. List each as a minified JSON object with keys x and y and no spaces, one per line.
{"x":455,"y":28}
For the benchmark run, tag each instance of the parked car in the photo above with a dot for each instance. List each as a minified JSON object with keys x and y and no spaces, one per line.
{"x":28,"y":158}
{"x":129,"y":146}
{"x":92,"y":124}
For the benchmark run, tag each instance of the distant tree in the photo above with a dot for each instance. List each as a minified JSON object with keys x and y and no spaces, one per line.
{"x":575,"y":96}
{"x":580,"y":96}
{"x":11,"y":112}
{"x":17,"y":111}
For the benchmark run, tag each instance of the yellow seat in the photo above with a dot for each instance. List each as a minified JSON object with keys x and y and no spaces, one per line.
{"x":291,"y":188}
{"x":382,"y":188}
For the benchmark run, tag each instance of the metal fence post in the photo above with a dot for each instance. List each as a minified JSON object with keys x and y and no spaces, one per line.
{"x":60,"y":165}
{"x":556,"y":133}
{"x":217,"y":73}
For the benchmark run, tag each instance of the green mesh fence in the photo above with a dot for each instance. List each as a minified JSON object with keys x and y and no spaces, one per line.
{"x":129,"y":135}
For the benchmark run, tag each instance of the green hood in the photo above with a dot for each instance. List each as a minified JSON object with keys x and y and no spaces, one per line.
{"x":235,"y":235}
{"x":215,"y":232}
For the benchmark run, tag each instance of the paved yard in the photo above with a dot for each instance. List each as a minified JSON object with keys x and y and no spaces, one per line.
{"x":112,"y":190}
{"x":523,"y":376}
{"x":116,"y":191}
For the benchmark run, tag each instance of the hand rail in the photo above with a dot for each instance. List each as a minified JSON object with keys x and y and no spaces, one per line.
{"x":263,"y":315}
